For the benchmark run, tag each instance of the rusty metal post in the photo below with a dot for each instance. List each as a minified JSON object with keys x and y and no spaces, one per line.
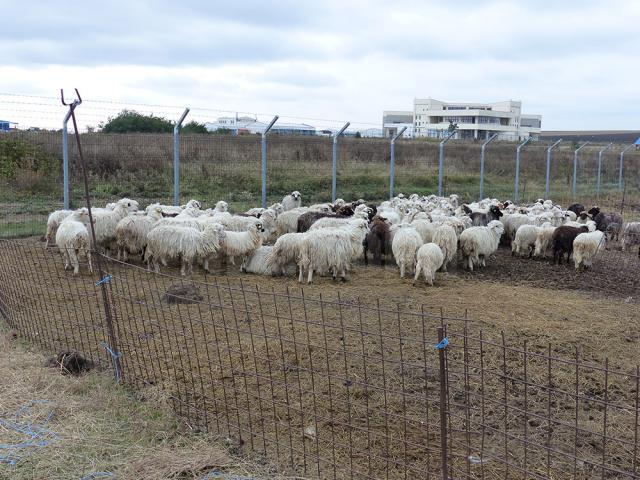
{"x":102,"y":280}
{"x":443,"y":407}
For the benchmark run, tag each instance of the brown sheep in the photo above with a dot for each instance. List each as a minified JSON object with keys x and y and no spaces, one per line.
{"x":378,"y":240}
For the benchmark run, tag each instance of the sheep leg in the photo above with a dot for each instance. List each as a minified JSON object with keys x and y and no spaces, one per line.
{"x":343,"y":276}
{"x":74,"y":260}
{"x":310,"y":276}
{"x":417,"y":275}
{"x":88,"y":252}
{"x":401,"y":269}
{"x":300,"y":275}
{"x":428,"y":276}
{"x":65,"y":257}
{"x":156,"y":266}
{"x":125,"y":256}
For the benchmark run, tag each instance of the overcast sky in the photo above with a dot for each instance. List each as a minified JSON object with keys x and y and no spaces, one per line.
{"x":575,"y":62}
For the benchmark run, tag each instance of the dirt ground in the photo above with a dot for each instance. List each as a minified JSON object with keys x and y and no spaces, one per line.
{"x":328,"y":374}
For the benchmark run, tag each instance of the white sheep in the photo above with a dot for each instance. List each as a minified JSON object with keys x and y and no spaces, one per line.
{"x":236,"y":223}
{"x":286,"y":250}
{"x":478,"y":242}
{"x":331,"y":250}
{"x":425,"y":228}
{"x":405,"y":244}
{"x":543,"y":245}
{"x":429,"y":259}
{"x":169,"y":242}
{"x":72,"y":238}
{"x":106,"y":222}
{"x":585,"y":247}
{"x":524,"y":242}
{"x":131,"y":232}
{"x":259,"y":262}
{"x":361,"y":212}
{"x":287,"y":222}
{"x":291,"y":201}
{"x":445,"y":237}
{"x":241,"y":244}
{"x":53,"y":222}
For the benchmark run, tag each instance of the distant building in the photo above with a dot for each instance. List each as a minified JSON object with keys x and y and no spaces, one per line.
{"x":249,"y":125}
{"x":6,"y":126}
{"x":432,"y":118}
{"x":394,"y":120}
{"x":622,"y":136}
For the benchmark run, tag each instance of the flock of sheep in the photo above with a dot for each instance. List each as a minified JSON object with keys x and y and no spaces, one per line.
{"x":423,"y":234}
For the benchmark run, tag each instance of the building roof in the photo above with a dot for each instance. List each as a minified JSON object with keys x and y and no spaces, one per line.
{"x":637,"y":142}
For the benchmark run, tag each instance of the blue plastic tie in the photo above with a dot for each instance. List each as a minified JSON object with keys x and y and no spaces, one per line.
{"x":91,"y":476}
{"x":217,"y":474}
{"x":104,"y":280}
{"x":39,"y":435}
{"x":443,"y":344}
{"x":114,"y":356}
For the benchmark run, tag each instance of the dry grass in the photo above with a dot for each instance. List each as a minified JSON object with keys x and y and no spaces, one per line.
{"x":100,"y":426}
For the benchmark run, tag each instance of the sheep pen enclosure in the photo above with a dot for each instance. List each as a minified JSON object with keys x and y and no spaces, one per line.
{"x":341,"y":380}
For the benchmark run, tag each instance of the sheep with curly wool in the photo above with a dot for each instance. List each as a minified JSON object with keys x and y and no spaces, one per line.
{"x":72,"y":238}
{"x":287,"y":222}
{"x":476,"y":243}
{"x":187,"y":244}
{"x":425,"y":228}
{"x":586,"y":246}
{"x":107,"y":221}
{"x":445,"y":237}
{"x":236,"y":223}
{"x":361,"y":212}
{"x":525,"y":241}
{"x":53,"y":222}
{"x":241,"y":244}
{"x":543,"y":244}
{"x":331,"y":250}
{"x":291,"y":201}
{"x":132,"y":231}
{"x":285,"y":251}
{"x":406,"y":242}
{"x":259,"y":262}
{"x":429,"y":259}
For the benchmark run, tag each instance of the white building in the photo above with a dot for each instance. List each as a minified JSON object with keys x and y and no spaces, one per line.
{"x":432,"y":118}
{"x":394,"y":120}
{"x":250,"y":125}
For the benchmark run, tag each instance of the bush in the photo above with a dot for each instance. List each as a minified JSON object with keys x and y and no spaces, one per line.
{"x":17,"y":155}
{"x":128,"y":121}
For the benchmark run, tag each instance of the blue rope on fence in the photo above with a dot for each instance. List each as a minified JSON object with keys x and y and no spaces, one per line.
{"x":104,"y":280}
{"x":443,"y":344}
{"x":217,"y":474}
{"x":38,"y":435}
{"x":91,"y":476}
{"x":114,"y":358}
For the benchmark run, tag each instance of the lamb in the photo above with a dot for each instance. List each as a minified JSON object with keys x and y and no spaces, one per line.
{"x":631,"y":236}
{"x":378,"y":240}
{"x":259,"y":262}
{"x":221,"y":206}
{"x":429,"y":259}
{"x":72,"y":238}
{"x":478,"y":242}
{"x":331,"y":249}
{"x":585,"y":247}
{"x":131,"y":233}
{"x":562,"y":240}
{"x":445,"y":237}
{"x":106,"y":222}
{"x":405,"y":244}
{"x":170,"y":242}
{"x":291,"y":201}
{"x":242,"y":244}
{"x":285,"y":250}
{"x":53,"y":222}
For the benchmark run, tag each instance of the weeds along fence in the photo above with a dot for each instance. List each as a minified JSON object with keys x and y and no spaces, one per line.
{"x":335,"y":387}
{"x":214,"y":167}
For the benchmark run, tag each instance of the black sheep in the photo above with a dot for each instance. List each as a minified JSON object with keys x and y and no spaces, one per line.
{"x":562,"y":241}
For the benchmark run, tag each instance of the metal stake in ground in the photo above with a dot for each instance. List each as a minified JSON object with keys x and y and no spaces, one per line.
{"x":101,"y":274}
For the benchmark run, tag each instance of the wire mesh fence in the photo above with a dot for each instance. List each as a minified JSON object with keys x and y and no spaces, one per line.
{"x":225,"y":167}
{"x":329,"y":386}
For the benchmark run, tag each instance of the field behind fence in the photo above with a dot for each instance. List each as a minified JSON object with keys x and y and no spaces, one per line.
{"x":215,"y":167}
{"x":334,"y":386}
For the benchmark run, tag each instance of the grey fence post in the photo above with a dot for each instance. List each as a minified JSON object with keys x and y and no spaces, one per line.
{"x":548,"y":177}
{"x":620,"y":173}
{"x":600,"y":166}
{"x":516,"y":187}
{"x":487,"y":142}
{"x":264,"y":161}
{"x":176,"y":157}
{"x":65,"y":160}
{"x":393,"y":161}
{"x":334,"y":157}
{"x":441,"y":161}
{"x":575,"y":169}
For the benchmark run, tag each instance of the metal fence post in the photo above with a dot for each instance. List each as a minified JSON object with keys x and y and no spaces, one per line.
{"x":65,"y":160}
{"x":600,"y":167}
{"x":393,"y":161}
{"x":516,"y":187}
{"x":548,"y":177}
{"x":176,"y":157}
{"x":334,"y":156}
{"x":264,"y":161}
{"x":441,"y":162}
{"x":487,"y":142}
{"x":620,"y":172}
{"x":443,"y":406}
{"x":575,"y":169}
